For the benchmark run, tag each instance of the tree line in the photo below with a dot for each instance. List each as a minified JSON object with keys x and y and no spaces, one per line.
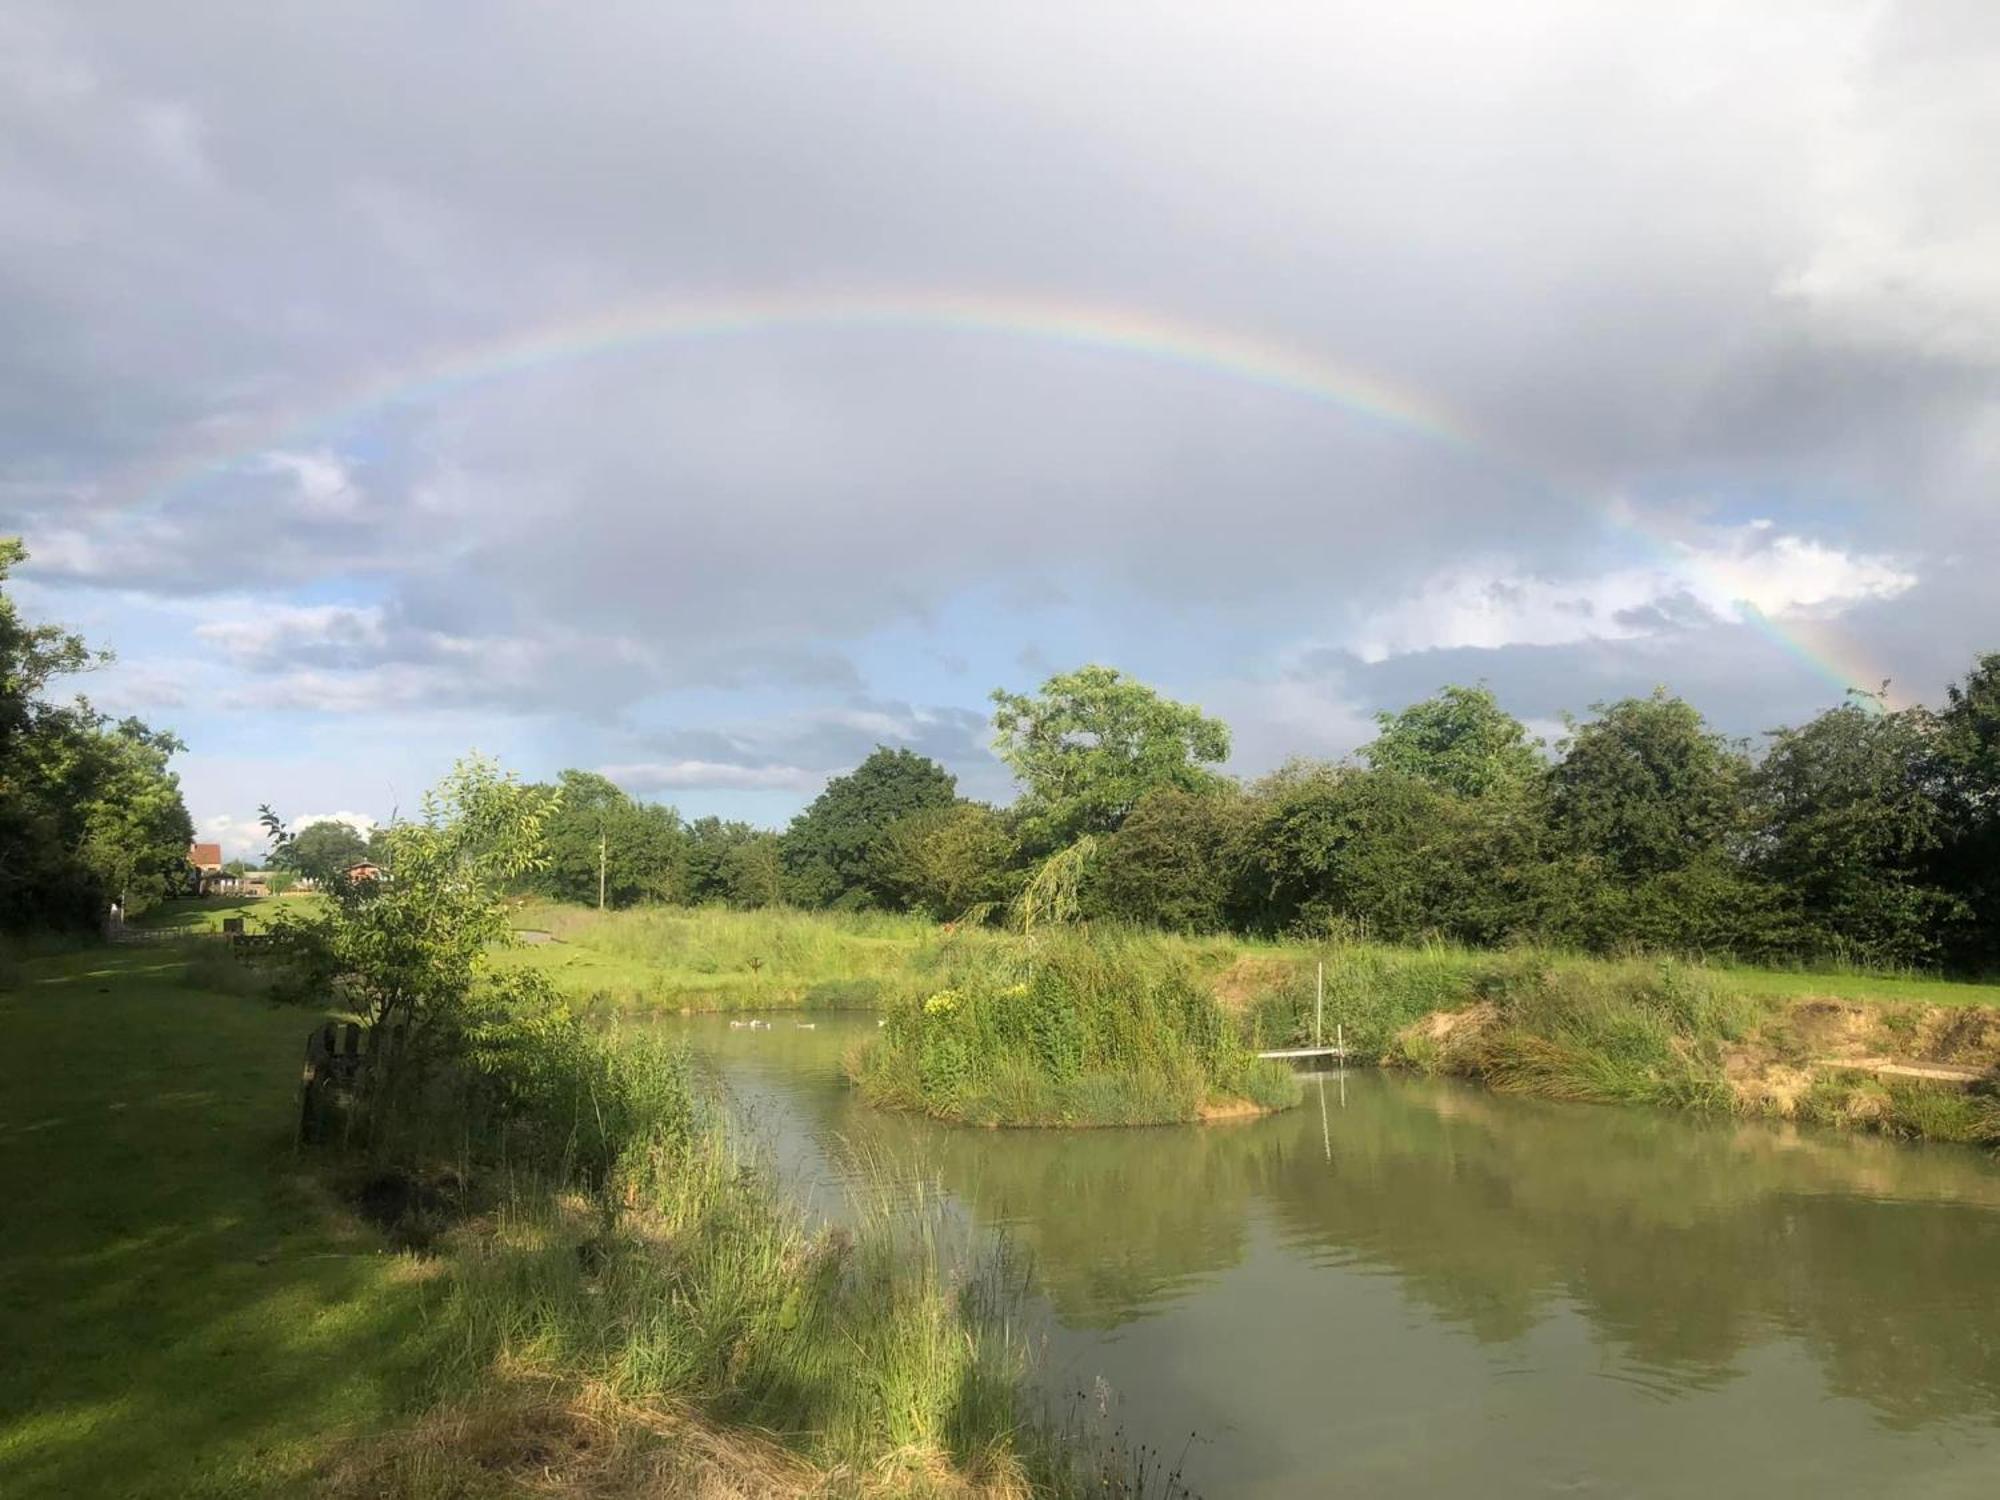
{"x":1867,"y":834}
{"x":89,"y":812}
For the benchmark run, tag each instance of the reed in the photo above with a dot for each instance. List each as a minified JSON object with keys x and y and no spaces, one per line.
{"x":1071,"y":1028}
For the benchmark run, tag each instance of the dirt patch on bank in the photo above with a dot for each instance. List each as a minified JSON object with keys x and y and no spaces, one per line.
{"x":1447,"y":1037}
{"x":1776,"y":1066}
{"x":1249,"y":977}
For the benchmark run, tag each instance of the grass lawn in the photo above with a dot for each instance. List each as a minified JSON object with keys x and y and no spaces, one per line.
{"x":183,"y":1313}
{"x":205,"y":914}
{"x":1800,"y":984}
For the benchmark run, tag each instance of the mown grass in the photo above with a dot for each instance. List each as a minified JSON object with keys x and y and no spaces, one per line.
{"x":1071,"y":1029}
{"x":616,"y":1300}
{"x":205,"y":914}
{"x":183,"y":1310}
{"x":1855,"y":984}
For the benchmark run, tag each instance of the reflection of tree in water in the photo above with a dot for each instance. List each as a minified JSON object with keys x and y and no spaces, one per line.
{"x":1683,"y":1244}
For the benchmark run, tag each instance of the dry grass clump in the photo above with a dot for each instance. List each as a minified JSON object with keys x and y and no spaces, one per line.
{"x":523,"y":1436}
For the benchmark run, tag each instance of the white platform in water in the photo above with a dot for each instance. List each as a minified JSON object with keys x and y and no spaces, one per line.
{"x":1340,"y":1052}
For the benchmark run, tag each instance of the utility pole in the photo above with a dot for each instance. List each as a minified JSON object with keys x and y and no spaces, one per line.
{"x":602,"y":845}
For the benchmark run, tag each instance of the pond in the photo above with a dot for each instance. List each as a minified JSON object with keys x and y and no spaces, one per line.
{"x":1413,"y":1288}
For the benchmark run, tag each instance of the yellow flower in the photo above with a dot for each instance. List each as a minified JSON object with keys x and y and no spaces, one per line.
{"x":943,"y":1003}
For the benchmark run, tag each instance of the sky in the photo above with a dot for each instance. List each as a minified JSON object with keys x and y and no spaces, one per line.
{"x":706,"y":394}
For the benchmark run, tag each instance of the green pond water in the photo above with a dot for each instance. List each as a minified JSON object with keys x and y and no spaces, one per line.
{"x":1412,"y":1288}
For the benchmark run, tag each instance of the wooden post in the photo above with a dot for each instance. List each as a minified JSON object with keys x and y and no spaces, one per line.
{"x":602,"y":844}
{"x":1319,"y":1004}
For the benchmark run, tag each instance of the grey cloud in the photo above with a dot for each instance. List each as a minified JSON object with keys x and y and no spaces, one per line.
{"x":1617,"y":246}
{"x":802,"y":749}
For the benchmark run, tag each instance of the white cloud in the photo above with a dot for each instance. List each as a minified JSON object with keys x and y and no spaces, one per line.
{"x":323,"y":485}
{"x":253,"y":636}
{"x":241,"y":837}
{"x":658,"y":776}
{"x":1726,"y":577}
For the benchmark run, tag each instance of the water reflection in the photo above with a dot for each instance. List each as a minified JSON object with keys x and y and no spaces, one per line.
{"x":1602,"y":1260}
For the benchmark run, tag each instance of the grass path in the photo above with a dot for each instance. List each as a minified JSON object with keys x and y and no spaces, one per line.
{"x":182,"y":1313}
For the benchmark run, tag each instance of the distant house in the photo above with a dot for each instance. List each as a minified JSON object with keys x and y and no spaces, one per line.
{"x":365,"y":870}
{"x":205,"y":875}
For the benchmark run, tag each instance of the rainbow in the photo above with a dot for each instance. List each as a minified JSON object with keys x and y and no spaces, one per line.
{"x":1132,"y":333}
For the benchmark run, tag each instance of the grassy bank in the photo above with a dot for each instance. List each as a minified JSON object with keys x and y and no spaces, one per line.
{"x":609,"y":1296}
{"x":1895,"y":1054}
{"x":1074,"y":1029}
{"x":1838,"y":1046}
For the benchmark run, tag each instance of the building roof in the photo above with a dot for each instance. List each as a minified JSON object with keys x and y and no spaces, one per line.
{"x":205,"y":856}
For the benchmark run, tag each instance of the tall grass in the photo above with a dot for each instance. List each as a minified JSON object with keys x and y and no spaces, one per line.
{"x":624,"y":1244}
{"x":1073,"y":1028}
{"x":1626,"y":1031}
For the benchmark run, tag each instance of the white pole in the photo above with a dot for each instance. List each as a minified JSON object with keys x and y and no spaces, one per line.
{"x":1319,"y":1004}
{"x":602,"y":845}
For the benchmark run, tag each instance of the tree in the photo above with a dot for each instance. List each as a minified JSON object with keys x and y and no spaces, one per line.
{"x":1173,"y":861}
{"x":135,"y":828}
{"x":415,"y":952}
{"x":641,"y":845}
{"x":323,"y":851}
{"x":1388,"y":856}
{"x":1967,"y":863}
{"x":830,"y":847}
{"x":753,"y":871}
{"x":946,"y":861}
{"x":89,"y":811}
{"x":1647,"y":787}
{"x":1460,"y":741}
{"x":1092,"y":742}
{"x":710,"y":843}
{"x":1852,"y":817}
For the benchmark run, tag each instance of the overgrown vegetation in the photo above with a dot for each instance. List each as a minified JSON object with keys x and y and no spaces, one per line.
{"x":1663,"y":1032}
{"x":713,"y":958}
{"x":1080,"y":1029}
{"x":600,"y":1234}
